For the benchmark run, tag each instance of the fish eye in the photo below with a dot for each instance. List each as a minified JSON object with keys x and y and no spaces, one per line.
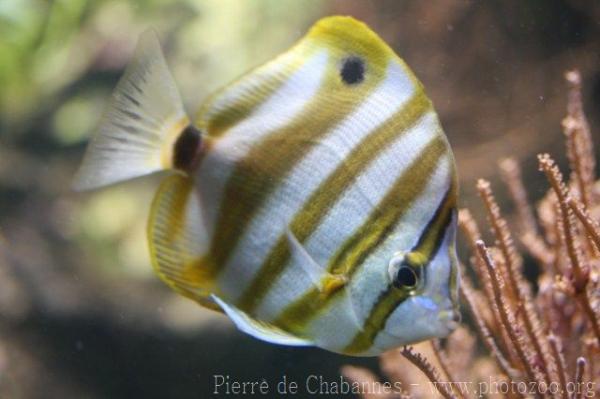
{"x":406,"y":277}
{"x":353,"y":70}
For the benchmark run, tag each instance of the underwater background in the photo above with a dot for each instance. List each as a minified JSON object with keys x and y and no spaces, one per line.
{"x":82,"y":315}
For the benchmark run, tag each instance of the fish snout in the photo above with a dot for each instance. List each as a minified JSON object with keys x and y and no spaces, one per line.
{"x":451,"y":318}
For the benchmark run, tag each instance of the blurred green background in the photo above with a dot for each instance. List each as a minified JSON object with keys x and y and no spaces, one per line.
{"x":81,"y":314}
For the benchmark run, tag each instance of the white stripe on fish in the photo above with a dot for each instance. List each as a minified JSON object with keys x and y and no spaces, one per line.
{"x":352,"y":209}
{"x":270,"y":222}
{"x":290,"y":99}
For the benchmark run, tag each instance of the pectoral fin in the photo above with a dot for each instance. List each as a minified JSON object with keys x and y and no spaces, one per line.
{"x":258,"y":329}
{"x":326,"y":282}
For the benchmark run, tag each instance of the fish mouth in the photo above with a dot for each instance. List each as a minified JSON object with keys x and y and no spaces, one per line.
{"x":441,"y":326}
{"x":451,"y":318}
{"x":448,"y":319}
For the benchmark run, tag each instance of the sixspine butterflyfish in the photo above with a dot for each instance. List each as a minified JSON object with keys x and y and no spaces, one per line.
{"x":313,"y":200}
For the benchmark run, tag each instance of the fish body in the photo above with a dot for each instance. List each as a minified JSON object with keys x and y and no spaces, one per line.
{"x":313,"y":199}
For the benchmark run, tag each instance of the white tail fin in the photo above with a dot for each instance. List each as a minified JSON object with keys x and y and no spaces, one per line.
{"x":139,"y":129}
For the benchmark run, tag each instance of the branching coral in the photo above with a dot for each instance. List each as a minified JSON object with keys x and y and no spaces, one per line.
{"x":540,"y":337}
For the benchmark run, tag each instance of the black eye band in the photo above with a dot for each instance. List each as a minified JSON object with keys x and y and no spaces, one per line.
{"x":353,"y":70}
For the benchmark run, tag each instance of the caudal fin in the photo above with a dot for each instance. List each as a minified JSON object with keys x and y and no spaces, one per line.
{"x":144,"y":120}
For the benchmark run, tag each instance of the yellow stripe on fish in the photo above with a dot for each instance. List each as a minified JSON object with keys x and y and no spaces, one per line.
{"x":426,"y":248}
{"x":269,"y":160}
{"x":276,"y":154}
{"x":308,"y":218}
{"x":228,"y":107}
{"x":313,"y":195}
{"x":358,"y":247}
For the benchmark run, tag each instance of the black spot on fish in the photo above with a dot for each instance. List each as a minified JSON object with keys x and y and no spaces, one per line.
{"x":186,"y":148}
{"x":353,"y":70}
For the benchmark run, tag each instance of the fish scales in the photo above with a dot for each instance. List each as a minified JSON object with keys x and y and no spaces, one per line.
{"x":428,"y":245}
{"x":271,"y":160}
{"x":364,"y":172}
{"x":219,"y":162}
{"x":340,"y":157}
{"x":366,"y":239}
{"x":405,"y":234}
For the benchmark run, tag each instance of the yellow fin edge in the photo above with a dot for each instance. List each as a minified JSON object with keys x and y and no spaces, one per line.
{"x":175,"y":246}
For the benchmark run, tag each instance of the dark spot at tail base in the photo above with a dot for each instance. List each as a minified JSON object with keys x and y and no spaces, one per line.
{"x":186,"y":148}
